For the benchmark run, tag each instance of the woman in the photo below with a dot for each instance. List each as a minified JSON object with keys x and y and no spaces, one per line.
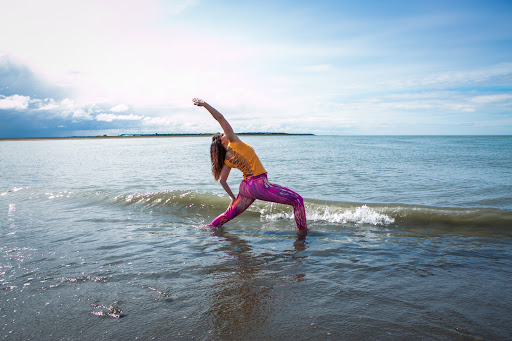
{"x":228,"y":151}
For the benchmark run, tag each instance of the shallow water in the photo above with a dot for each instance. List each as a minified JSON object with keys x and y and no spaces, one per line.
{"x":104,"y":239}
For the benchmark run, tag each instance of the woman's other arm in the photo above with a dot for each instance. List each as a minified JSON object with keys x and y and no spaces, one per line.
{"x":224,"y":173}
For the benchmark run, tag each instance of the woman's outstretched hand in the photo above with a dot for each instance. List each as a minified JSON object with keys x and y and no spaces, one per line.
{"x":199,"y":102}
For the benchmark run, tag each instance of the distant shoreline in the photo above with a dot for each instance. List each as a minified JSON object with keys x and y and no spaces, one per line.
{"x":129,"y":136}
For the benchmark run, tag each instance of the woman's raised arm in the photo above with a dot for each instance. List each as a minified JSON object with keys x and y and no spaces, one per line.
{"x":230,"y":134}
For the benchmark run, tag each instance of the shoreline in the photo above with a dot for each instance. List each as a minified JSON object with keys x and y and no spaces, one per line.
{"x":130,"y":136}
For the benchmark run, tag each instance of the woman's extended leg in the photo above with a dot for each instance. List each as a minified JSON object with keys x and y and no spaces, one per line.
{"x":240,"y":204}
{"x":263,"y":190}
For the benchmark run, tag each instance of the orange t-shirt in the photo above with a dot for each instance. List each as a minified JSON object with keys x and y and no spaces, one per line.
{"x":245,"y":159}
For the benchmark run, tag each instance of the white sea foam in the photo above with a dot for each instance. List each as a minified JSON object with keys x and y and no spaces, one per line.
{"x":12,"y":190}
{"x":358,"y":215}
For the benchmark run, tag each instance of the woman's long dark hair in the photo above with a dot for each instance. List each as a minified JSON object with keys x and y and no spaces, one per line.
{"x":218,"y":154}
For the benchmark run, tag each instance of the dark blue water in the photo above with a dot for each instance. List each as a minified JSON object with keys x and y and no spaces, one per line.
{"x":410,"y":238}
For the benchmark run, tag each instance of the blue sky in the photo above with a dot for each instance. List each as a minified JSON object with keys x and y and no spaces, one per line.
{"x":92,"y":67}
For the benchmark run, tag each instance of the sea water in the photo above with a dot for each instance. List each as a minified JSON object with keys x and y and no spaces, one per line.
{"x":410,"y":238}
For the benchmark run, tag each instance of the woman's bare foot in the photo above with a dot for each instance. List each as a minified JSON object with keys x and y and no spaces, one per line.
{"x":301,"y":234}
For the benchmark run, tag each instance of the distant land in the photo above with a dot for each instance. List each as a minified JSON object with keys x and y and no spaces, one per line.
{"x":145,"y":135}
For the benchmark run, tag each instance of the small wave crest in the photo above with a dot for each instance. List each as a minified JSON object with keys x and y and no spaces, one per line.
{"x":13,"y":190}
{"x":172,"y":198}
{"x":358,"y":215}
{"x":361,"y":215}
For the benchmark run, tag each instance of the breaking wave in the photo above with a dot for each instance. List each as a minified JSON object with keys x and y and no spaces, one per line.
{"x":325,"y":212}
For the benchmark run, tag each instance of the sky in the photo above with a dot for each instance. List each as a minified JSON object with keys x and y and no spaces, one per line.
{"x":95,"y":67}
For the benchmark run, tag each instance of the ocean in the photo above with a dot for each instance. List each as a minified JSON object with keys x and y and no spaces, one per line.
{"x":410,"y":238}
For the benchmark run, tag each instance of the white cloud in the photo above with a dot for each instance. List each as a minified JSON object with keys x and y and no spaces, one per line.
{"x":158,"y":121}
{"x":81,"y":114}
{"x":69,"y":104}
{"x":47,"y":104}
{"x":112,"y":117}
{"x":492,"y":98}
{"x":78,"y":111}
{"x":471,"y":76}
{"x":119,"y":108}
{"x":16,"y":102}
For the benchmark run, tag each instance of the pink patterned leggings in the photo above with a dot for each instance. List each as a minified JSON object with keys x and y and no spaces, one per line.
{"x":258,"y":187}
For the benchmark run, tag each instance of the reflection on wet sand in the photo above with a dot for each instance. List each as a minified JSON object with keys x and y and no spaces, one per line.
{"x":243,"y":301}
